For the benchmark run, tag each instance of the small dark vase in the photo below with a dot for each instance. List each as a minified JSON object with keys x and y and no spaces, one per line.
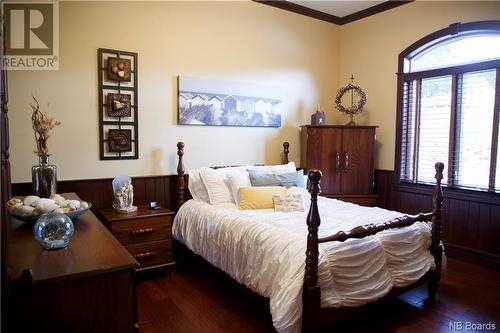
{"x":44,"y":177}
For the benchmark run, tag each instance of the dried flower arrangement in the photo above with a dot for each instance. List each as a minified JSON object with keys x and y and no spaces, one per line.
{"x":42,"y":125}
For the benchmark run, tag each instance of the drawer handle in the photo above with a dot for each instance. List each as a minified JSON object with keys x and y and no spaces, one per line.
{"x":144,"y":255}
{"x":142,"y":231}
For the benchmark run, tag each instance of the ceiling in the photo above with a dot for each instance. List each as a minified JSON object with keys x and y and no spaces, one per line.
{"x":335,"y":11}
{"x":338,"y":8}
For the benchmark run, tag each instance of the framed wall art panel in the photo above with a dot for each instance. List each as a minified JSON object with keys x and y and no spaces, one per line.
{"x":118,"y":104}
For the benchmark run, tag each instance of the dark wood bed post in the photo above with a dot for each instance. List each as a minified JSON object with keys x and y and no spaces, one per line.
{"x":311,"y":292}
{"x":286,"y":145}
{"x":181,"y":181}
{"x":436,"y":247}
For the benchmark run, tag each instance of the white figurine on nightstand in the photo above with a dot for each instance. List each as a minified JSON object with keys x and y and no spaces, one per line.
{"x":124,"y":194}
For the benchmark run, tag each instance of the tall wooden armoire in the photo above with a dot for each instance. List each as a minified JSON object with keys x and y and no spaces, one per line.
{"x":345,"y":156}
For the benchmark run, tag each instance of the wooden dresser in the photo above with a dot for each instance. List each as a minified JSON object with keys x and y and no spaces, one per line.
{"x":146,"y":234}
{"x":88,"y":286}
{"x":345,"y":156}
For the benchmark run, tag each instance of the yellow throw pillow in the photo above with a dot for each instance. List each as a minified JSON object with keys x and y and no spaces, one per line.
{"x":259,"y":197}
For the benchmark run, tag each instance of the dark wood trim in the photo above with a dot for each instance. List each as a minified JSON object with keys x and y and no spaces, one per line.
{"x":298,"y":9}
{"x":467,"y":254}
{"x":451,"y":30}
{"x":382,"y":7}
{"x":306,"y":11}
{"x":452,"y":70}
{"x":494,"y":138}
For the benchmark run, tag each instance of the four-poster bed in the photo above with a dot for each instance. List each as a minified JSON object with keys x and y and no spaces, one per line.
{"x":314,"y":316}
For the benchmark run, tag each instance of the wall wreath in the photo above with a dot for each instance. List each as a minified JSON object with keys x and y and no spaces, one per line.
{"x":358,"y":100}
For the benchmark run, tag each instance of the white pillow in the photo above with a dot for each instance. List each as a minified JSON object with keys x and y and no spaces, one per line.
{"x":217,"y":183}
{"x":237,"y":181}
{"x":275,"y":169}
{"x":196,"y":186}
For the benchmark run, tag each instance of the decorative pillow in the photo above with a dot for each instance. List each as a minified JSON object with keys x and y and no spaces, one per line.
{"x":259,"y":197}
{"x":276,"y":169}
{"x":217,"y":183}
{"x":305,"y":195}
{"x":196,"y":186}
{"x":288,"y":203}
{"x":295,"y":178}
{"x":237,"y":181}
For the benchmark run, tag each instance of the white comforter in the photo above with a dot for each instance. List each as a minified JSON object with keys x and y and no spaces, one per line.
{"x":265,"y":251}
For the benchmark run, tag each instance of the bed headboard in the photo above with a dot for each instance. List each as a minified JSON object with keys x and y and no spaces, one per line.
{"x":182,"y":189}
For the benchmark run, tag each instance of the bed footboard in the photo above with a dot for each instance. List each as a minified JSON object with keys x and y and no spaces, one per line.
{"x":311,"y":291}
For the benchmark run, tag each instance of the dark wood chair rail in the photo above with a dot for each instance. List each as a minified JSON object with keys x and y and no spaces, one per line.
{"x":313,"y":316}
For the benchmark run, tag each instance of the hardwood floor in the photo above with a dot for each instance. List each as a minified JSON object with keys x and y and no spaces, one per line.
{"x":198,"y":298}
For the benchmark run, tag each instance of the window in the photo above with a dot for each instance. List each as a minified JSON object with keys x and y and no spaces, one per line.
{"x":449,"y":105}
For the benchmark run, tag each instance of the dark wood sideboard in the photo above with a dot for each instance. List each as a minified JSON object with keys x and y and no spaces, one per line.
{"x":87,"y":287}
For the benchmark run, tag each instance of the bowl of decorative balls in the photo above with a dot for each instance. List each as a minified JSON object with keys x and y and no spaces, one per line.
{"x":30,"y":208}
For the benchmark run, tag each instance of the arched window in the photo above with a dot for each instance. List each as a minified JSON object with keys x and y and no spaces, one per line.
{"x":449,"y":105}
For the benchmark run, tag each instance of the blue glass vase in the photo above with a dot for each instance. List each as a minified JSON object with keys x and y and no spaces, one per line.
{"x":53,"y":230}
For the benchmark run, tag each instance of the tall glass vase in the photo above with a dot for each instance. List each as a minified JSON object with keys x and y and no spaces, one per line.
{"x":44,"y":177}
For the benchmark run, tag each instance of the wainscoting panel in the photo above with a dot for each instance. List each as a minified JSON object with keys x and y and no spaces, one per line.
{"x":471,"y":224}
{"x":100,"y":192}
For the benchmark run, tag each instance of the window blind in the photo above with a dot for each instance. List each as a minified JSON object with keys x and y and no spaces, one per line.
{"x":434,"y":127}
{"x":408,"y":131}
{"x":475,"y":103}
{"x":431,"y":105}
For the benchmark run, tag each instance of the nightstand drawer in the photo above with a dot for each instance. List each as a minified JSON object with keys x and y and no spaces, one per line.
{"x":153,"y":253}
{"x":142,"y":230}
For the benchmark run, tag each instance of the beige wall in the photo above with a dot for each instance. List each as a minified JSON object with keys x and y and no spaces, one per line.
{"x":243,"y":41}
{"x":369,"y":49}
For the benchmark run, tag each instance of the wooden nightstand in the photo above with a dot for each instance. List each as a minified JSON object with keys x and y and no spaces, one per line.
{"x":146,"y":234}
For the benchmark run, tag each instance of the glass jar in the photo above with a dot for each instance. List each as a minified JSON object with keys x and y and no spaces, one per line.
{"x":44,"y":177}
{"x":53,"y":230}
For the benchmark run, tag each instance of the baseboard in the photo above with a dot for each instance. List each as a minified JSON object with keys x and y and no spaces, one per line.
{"x":473,"y":256}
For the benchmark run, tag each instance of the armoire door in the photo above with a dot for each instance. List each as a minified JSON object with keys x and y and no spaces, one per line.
{"x":357,"y":160}
{"x":324,"y":148}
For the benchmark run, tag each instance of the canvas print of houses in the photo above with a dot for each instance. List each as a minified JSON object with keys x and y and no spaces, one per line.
{"x":227,"y":103}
